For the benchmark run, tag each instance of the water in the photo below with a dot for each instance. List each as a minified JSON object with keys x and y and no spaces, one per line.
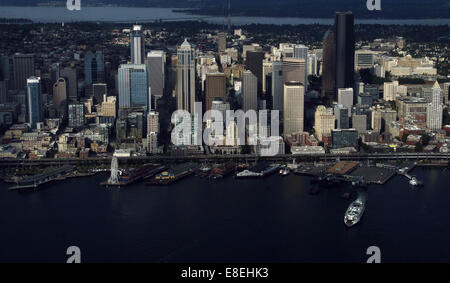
{"x":197,"y":220}
{"x":132,"y":15}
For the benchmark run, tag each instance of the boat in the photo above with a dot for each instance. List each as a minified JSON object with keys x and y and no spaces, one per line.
{"x":414,"y":182}
{"x":285,"y":171}
{"x":223,"y":170}
{"x":262,"y":169}
{"x":354,"y":212}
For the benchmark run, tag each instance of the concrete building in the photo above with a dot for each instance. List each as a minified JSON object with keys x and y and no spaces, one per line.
{"x":249,"y":91}
{"x":294,"y":93}
{"x":215,"y":88}
{"x":324,"y":121}
{"x":434,"y":109}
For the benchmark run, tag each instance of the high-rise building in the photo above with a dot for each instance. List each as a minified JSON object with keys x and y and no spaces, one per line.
{"x":215,"y":88}
{"x":3,"y":91}
{"x":94,"y":67}
{"x":152,"y":122}
{"x":345,"y":49}
{"x":342,"y":116}
{"x":186,"y":77}
{"x":329,"y":65}
{"x":301,"y":52}
{"x":345,"y":97}
{"x":109,"y":106}
{"x":23,"y":65}
{"x":221,"y":42}
{"x":34,"y":101}
{"x":254,"y":63}
{"x":70,"y":74}
{"x":294,"y":97}
{"x":133,"y":88}
{"x":137,"y":45}
{"x":390,"y":91}
{"x":312,"y":66}
{"x":60,"y":96}
{"x":434,"y":109}
{"x":294,"y":70}
{"x":249,"y":91}
{"x":267,"y":69}
{"x":76,"y":115}
{"x":156,"y":64}
{"x":359,"y":123}
{"x":323,"y":122}
{"x":339,"y":55}
{"x":277,"y":86}
{"x":98,"y":91}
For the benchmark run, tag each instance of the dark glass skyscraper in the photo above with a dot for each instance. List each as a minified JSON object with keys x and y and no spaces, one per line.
{"x":254,"y":63}
{"x":345,"y":49}
{"x":339,"y":55}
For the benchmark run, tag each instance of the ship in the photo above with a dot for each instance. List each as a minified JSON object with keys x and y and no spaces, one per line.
{"x":223,"y":170}
{"x":284,"y":171}
{"x":415,"y":183}
{"x":355,"y":211}
{"x":174,"y":174}
{"x":262,"y":169}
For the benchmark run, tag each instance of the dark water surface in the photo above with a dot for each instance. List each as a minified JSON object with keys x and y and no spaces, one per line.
{"x":197,"y":220}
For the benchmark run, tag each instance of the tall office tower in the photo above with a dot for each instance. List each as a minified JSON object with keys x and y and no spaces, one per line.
{"x":359,"y":123}
{"x":156,"y":64}
{"x":277,"y":86}
{"x":329,"y":65}
{"x":294,"y":98}
{"x":345,"y":97}
{"x":109,"y":106}
{"x":387,"y":117}
{"x":137,"y":45}
{"x":76,"y":115}
{"x":136,"y":125}
{"x":94,"y":67}
{"x":301,"y":52}
{"x":342,"y":116}
{"x":34,"y":101}
{"x":186,"y":77}
{"x":254,"y":63}
{"x":6,"y":74}
{"x":70,"y":74}
{"x":23,"y":65}
{"x":267,"y":69}
{"x":98,"y":91}
{"x":60,"y":97}
{"x":446,"y":92}
{"x":323,"y":122}
{"x":376,"y":120}
{"x":312,"y":67}
{"x":152,"y":122}
{"x":249,"y":91}
{"x":390,"y":91}
{"x":221,"y":42}
{"x":133,"y":88}
{"x":345,"y":49}
{"x":294,"y":70}
{"x":216,"y":87}
{"x":434,"y":109}
{"x":3,"y":91}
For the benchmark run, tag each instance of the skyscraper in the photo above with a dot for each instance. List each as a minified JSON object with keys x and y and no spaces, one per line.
{"x":76,"y":115}
{"x":156,"y":64}
{"x":133,"y":88}
{"x":215,"y":88}
{"x":339,"y":54}
{"x":294,"y":70}
{"x":345,"y":97}
{"x":186,"y":77}
{"x":301,"y":52}
{"x":329,"y":65}
{"x":94,"y":67}
{"x":60,"y":96}
{"x":434,"y":109}
{"x":34,"y":101}
{"x":323,"y":122}
{"x":254,"y":63}
{"x":345,"y":49}
{"x":249,"y":91}
{"x":137,"y":45}
{"x":70,"y":74}
{"x":221,"y":42}
{"x":277,"y":85}
{"x":294,"y":93}
{"x":23,"y":65}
